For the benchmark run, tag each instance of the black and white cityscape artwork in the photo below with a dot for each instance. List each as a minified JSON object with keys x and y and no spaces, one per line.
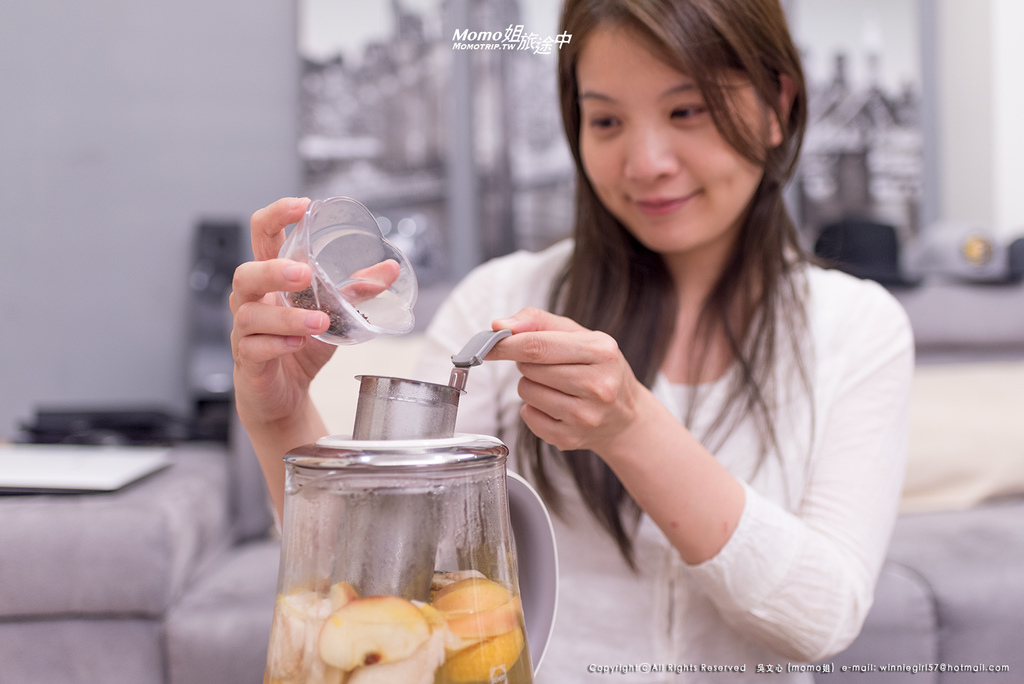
{"x":862,"y":155}
{"x":377,"y":114}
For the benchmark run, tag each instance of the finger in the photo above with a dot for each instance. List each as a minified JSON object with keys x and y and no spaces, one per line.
{"x":252,"y":351}
{"x":385,"y":273}
{"x":255,"y":279}
{"x":549,"y":400}
{"x":371,"y":281}
{"x":259,"y":318}
{"x":549,"y":429}
{"x":580,"y":395}
{"x":532,"y":319}
{"x":571,"y":380}
{"x":267,"y":225}
{"x":556,"y":347}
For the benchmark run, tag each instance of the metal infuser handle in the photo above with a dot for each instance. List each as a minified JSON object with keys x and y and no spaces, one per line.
{"x":396,"y":408}
{"x":473,"y":355}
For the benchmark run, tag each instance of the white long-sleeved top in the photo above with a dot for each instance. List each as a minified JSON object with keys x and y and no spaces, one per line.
{"x":796,"y":578}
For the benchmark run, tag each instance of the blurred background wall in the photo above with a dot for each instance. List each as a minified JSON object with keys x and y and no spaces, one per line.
{"x":980,"y":101}
{"x":123,"y":125}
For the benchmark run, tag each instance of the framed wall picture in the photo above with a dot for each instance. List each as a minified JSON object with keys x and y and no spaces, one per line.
{"x":441,"y":117}
{"x":867,"y":139}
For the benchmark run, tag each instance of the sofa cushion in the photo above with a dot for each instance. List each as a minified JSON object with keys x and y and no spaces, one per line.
{"x":81,"y":652}
{"x":966,"y":435}
{"x":900,"y":629}
{"x":219,"y":631}
{"x":973,"y":562}
{"x":128,"y":552}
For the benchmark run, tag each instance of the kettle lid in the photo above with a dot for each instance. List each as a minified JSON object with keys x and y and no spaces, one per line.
{"x":341,"y":451}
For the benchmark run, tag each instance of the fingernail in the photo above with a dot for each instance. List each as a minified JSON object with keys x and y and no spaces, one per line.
{"x":294,"y":271}
{"x":315,"y":320}
{"x":294,"y":341}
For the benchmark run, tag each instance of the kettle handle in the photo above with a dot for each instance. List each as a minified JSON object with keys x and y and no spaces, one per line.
{"x":537,"y":561}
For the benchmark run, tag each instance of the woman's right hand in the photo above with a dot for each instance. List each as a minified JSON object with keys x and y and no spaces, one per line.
{"x":275,"y":357}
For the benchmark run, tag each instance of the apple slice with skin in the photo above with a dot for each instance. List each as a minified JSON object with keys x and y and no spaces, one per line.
{"x":477,"y":609}
{"x":298,"y":617}
{"x":373,"y":629}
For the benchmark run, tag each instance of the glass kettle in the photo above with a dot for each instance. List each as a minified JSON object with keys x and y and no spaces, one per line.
{"x":409,"y":555}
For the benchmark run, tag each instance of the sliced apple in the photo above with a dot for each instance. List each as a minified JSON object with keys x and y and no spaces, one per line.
{"x":304,"y":604}
{"x":485,"y":660}
{"x":434,"y":617}
{"x":373,"y":629}
{"x":341,"y":593}
{"x":298,"y":617}
{"x":287,"y":642}
{"x":477,"y":609}
{"x":322,"y":673}
{"x":440,"y":580}
{"x":473,"y":593}
{"x":479,"y":625}
{"x":439,"y":625}
{"x":419,"y":668}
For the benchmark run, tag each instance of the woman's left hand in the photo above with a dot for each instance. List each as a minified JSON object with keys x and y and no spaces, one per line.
{"x":579,"y":391}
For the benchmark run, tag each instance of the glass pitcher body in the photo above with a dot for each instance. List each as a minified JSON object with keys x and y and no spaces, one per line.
{"x":398,"y":564}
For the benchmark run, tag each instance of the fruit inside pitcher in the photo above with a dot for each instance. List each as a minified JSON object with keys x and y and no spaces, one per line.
{"x":471,"y":632}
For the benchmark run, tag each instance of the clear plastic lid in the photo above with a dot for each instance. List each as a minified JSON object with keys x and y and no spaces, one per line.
{"x":363,"y":282}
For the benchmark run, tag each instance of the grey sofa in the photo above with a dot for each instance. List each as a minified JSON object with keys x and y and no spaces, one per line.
{"x":172,"y":580}
{"x":949,"y":602}
{"x":960,"y":559}
{"x":950,"y":599}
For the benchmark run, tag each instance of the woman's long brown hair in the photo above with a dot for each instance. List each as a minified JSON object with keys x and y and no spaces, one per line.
{"x":615,"y":284}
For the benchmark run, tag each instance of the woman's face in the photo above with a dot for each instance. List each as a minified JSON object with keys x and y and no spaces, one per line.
{"x":654,"y":156}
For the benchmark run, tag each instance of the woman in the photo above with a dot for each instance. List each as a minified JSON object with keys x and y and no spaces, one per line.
{"x":719,"y":426}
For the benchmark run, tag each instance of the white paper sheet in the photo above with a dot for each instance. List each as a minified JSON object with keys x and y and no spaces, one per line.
{"x":45,"y":467}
